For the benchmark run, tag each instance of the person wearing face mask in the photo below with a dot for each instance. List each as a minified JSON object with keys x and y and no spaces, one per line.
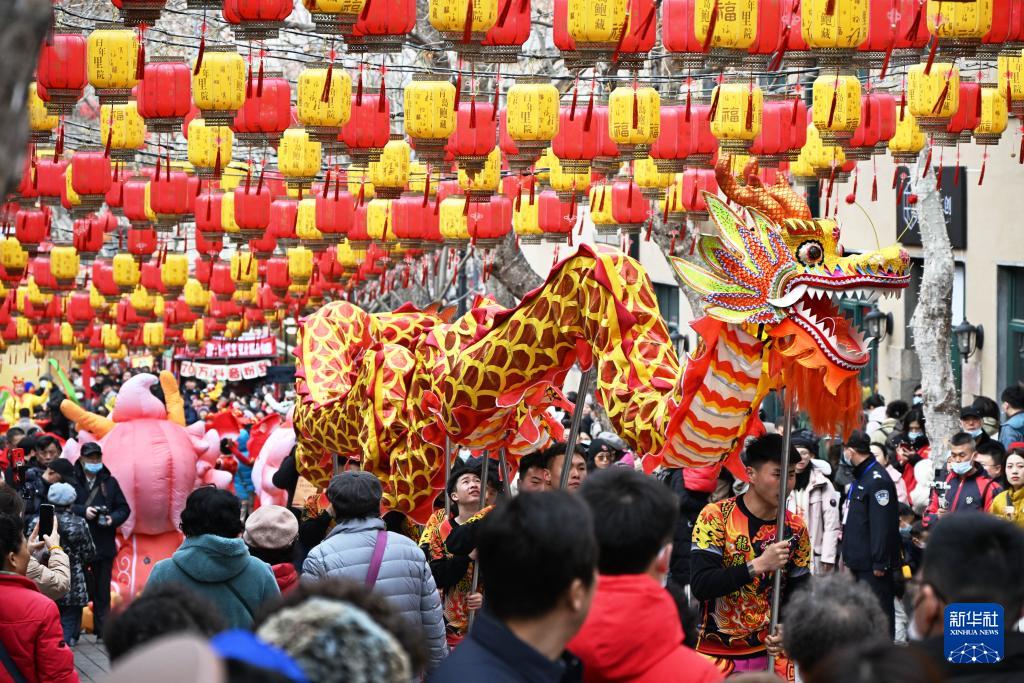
{"x":102,"y":503}
{"x":32,"y":646}
{"x":815,"y":500}
{"x":973,"y":559}
{"x":913,"y":425}
{"x":969,"y":487}
{"x":871,"y":545}
{"x":1012,"y":429}
{"x":970,"y":422}
{"x":1010,"y":503}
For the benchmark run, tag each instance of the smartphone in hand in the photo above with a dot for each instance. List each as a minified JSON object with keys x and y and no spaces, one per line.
{"x":46,"y":512}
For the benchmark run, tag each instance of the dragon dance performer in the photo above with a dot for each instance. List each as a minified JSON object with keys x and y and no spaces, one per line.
{"x":736,"y":548}
{"x":449,"y":540}
{"x":19,"y":399}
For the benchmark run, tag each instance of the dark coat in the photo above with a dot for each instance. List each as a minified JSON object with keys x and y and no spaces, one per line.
{"x":871,"y":532}
{"x":76,"y":540}
{"x":109,"y":494}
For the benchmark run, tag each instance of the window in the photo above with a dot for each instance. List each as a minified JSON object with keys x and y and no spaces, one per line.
{"x":856,"y":310}
{"x":668,"y":303}
{"x":1011,"y":323}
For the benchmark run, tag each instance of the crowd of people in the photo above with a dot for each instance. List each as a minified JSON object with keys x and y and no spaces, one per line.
{"x":579,"y":567}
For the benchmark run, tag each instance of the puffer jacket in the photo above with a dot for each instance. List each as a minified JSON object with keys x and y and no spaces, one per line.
{"x":818,"y":505}
{"x":76,"y":541}
{"x":404,"y":577}
{"x":30,"y":632}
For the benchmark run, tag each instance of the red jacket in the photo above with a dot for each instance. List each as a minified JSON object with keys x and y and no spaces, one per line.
{"x":286,"y":576}
{"x":633,"y":634}
{"x":31,"y":633}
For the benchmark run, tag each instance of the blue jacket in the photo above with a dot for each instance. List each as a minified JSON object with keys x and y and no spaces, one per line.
{"x":222,"y":571}
{"x":1012,"y":430}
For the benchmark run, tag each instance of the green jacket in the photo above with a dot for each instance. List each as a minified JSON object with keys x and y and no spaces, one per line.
{"x":222,"y":571}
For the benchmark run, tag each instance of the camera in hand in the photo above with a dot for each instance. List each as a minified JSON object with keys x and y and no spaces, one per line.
{"x":940,"y":488}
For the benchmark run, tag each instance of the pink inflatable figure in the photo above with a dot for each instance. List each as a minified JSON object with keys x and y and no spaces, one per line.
{"x":158,"y":462}
{"x":270,"y":441}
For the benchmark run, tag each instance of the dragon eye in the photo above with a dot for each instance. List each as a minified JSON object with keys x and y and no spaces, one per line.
{"x":810,"y":253}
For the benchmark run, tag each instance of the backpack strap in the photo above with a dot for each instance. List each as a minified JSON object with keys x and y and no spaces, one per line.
{"x":377,"y":558}
{"x":12,"y":669}
{"x":238,"y":596}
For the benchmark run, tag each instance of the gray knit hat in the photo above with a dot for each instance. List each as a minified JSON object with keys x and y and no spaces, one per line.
{"x":61,"y":494}
{"x":335,"y":642}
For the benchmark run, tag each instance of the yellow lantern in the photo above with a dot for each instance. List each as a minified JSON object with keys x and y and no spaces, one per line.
{"x":738,"y":115}
{"x":234,"y":329}
{"x":959,"y":26}
{"x":112,"y":61}
{"x":209,"y":147}
{"x":244,"y":268}
{"x":123,"y":128}
{"x":430,"y":114}
{"x":126,"y":272}
{"x":347,"y":257}
{"x":23,"y":328}
{"x":227,"y":215}
{"x":13,"y":258}
{"x":142,"y":302}
{"x":834,"y":27}
{"x":36,"y":348}
{"x":64,"y":265}
{"x":153,"y":336}
{"x":65,"y":336}
{"x":80,"y":353}
{"x":568,"y":181}
{"x":74,"y":199}
{"x":634,"y":119}
{"x":298,"y":157}
{"x":836,"y":101}
{"x":300,"y":265}
{"x":1010,"y":69}
{"x":418,"y":179}
{"x":97,"y":301}
{"x":305,"y":225}
{"x":174,"y":273}
{"x":159,"y":306}
{"x":390,"y":175}
{"x":526,"y":219}
{"x":218,"y":85}
{"x":452,"y":220}
{"x":672,"y":204}
{"x":334,"y":17}
{"x":822,"y":157}
{"x":531,"y":118}
{"x":195,"y":334}
{"x":324,"y":119}
{"x":197,"y":297}
{"x":601,"y":209}
{"x":735,"y":23}
{"x":544,"y":164}
{"x":933,"y":97}
{"x":652,"y":182}
{"x":40,"y":121}
{"x":994,"y":116}
{"x":449,"y":18}
{"x":110,"y":338}
{"x":378,"y":222}
{"x":232,"y":175}
{"x":359,"y":184}
{"x":487,"y":180}
{"x":908,"y":140}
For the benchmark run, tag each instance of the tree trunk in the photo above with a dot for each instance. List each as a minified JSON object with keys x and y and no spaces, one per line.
{"x":932,"y":320}
{"x":662,"y":236}
{"x":24,"y":23}
{"x":512,"y":270}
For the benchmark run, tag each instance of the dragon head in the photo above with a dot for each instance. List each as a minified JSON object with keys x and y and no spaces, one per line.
{"x":783,"y":274}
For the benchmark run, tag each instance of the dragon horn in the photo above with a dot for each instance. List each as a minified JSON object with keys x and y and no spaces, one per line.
{"x":172,"y":398}
{"x":95,"y":424}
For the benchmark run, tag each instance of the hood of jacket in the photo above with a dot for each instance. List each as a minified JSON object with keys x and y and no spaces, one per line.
{"x":286,"y":575}
{"x":633,"y":624}
{"x":211,"y":559}
{"x":1017,"y":421}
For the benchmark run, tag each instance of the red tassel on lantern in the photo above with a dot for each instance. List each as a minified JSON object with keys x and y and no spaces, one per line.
{"x":711,"y":27}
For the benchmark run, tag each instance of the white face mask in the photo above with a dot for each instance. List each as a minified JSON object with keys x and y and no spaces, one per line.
{"x":961,"y":468}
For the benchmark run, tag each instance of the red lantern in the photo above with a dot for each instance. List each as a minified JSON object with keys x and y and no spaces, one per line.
{"x":165,"y":93}
{"x":703,"y":145}
{"x":284,"y":213}
{"x":897,"y":32}
{"x":168,"y":198}
{"x":134,"y":202}
{"x":263,"y":246}
{"x":88,"y":236}
{"x":474,"y":136}
{"x":277,"y":275}
{"x":141,"y":243}
{"x":204,"y":270}
{"x":556,"y":217}
{"x":505,"y":39}
{"x":151,"y":278}
{"x":770,"y":146}
{"x":383,"y":25}
{"x":256,"y":19}
{"x":252,"y":210}
{"x":334,"y":209}
{"x":32,"y":228}
{"x":208,"y":213}
{"x":208,"y":245}
{"x":39,"y":268}
{"x":1002,"y":31}
{"x":629,"y":208}
{"x":140,"y":12}
{"x":79,"y":311}
{"x":50,"y":180}
{"x":368,"y":128}
{"x":577,"y":142}
{"x":115,"y":195}
{"x":103,"y":279}
{"x":221,"y":284}
{"x":678,"y":35}
{"x":27,"y":192}
{"x":177,"y":315}
{"x":696,"y":181}
{"x":607,"y":161}
{"x":966,"y":118}
{"x":769,"y":34}
{"x":488,"y":221}
{"x":267,"y":111}
{"x":574,"y":60}
{"x":639,"y":38}
{"x":90,"y":177}
{"x":61,"y":71}
{"x":792,"y":45}
{"x":672,"y":147}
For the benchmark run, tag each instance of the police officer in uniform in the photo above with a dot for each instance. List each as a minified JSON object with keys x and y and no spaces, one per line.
{"x":871,"y":525}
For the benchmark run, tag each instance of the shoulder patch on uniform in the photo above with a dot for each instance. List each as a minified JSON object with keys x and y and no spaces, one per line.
{"x":876,"y":475}
{"x":882,"y":497}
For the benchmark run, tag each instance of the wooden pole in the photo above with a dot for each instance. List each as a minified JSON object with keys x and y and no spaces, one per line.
{"x":780,"y":518}
{"x":586,"y":381}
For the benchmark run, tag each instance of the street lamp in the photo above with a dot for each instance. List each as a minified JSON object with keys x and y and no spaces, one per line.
{"x":679,"y":340}
{"x":878,"y":324}
{"x":969,"y":338}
